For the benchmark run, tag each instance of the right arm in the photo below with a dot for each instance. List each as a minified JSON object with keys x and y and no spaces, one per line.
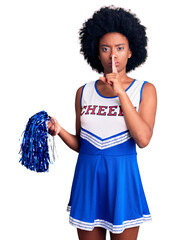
{"x":72,"y":141}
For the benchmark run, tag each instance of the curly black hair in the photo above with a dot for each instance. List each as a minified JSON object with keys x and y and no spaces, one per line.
{"x":112,"y":19}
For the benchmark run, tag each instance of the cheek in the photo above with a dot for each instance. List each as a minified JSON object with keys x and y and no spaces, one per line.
{"x":124,"y":57}
{"x":103,"y":58}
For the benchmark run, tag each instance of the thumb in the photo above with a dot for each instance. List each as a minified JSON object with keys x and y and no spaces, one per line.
{"x":103,"y":79}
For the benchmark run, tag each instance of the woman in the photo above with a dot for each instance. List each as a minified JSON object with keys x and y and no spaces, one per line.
{"x":113,"y":114}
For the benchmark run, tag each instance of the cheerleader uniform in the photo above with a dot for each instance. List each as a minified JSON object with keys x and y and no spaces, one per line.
{"x":107,"y":190}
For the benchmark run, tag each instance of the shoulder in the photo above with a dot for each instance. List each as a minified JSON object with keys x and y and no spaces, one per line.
{"x":149,"y":94}
{"x":149,"y":89}
{"x":79,"y":91}
{"x":87,"y":85}
{"x":79,"y":94}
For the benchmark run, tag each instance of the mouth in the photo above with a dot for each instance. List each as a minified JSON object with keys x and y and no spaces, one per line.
{"x":116,"y":64}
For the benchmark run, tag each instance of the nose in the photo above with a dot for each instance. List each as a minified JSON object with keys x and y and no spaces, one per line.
{"x":113,"y":57}
{"x":113,"y":54}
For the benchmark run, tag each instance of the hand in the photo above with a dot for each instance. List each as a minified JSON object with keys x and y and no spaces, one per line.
{"x":113,"y":79}
{"x":53,"y":127}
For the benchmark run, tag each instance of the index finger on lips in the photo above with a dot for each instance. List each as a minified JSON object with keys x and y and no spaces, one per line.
{"x":114,"y":69}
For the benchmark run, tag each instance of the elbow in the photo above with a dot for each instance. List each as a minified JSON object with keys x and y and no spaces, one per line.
{"x":143,"y":141}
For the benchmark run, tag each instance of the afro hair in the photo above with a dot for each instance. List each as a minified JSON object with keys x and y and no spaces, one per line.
{"x":112,"y":19}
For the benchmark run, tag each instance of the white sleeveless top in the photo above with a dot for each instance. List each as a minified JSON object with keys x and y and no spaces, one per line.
{"x":102,"y":121}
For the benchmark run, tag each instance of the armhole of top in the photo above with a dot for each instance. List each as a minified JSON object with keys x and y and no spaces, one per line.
{"x":82,"y":94}
{"x":141,"y":91}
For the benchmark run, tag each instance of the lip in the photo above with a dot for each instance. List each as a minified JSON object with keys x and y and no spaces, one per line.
{"x":116,"y":64}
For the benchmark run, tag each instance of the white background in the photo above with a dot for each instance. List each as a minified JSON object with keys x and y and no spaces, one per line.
{"x":41,"y":69}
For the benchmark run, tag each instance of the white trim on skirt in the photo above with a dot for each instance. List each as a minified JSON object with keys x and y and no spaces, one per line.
{"x":109,"y":226}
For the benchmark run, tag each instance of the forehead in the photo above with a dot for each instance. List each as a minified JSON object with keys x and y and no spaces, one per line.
{"x":113,"y":38}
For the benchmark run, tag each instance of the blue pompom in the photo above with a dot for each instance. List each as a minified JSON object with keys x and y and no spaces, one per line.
{"x":34,"y":147}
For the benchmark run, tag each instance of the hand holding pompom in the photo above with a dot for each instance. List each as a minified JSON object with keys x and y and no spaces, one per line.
{"x":53,"y":127}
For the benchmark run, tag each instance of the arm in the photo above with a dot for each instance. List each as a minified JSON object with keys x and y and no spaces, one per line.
{"x":140,"y":124}
{"x":70,"y":140}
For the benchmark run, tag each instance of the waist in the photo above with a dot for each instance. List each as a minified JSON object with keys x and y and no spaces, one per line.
{"x":112,"y":147}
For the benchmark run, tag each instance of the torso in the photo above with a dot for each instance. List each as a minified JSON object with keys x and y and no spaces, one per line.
{"x":102,"y":115}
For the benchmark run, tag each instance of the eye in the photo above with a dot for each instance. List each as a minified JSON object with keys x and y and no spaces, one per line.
{"x":105,"y":49}
{"x":120,"y":48}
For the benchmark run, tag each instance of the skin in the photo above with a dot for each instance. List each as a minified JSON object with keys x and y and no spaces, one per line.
{"x":100,"y":234}
{"x":114,"y":53}
{"x":140,"y":123}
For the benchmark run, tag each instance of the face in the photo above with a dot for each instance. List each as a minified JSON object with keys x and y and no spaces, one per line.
{"x":114,"y":44}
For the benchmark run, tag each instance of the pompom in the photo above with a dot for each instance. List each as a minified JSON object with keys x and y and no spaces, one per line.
{"x":35,"y":144}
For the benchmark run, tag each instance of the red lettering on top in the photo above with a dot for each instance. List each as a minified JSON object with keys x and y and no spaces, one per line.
{"x":82,"y":112}
{"x":111,"y":111}
{"x":101,"y":110}
{"x":90,"y":108}
{"x":120,"y":112}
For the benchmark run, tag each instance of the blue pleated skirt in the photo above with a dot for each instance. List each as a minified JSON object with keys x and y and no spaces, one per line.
{"x":107,"y":192}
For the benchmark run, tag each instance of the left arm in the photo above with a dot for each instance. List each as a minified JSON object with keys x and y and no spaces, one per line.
{"x":140,"y":124}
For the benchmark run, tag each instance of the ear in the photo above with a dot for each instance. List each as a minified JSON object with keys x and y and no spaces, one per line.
{"x":129,"y":53}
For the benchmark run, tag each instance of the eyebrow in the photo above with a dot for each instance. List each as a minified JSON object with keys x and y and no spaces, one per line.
{"x":117,"y":45}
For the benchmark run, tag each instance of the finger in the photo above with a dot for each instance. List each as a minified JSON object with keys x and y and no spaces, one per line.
{"x":52,"y":120}
{"x":53,"y":126}
{"x":114,"y":69}
{"x":49,"y":124}
{"x":103,"y":79}
{"x":52,"y":133}
{"x":52,"y":130}
{"x":110,"y":82}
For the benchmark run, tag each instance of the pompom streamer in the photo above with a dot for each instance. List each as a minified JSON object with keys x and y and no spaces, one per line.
{"x":34,"y":150}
